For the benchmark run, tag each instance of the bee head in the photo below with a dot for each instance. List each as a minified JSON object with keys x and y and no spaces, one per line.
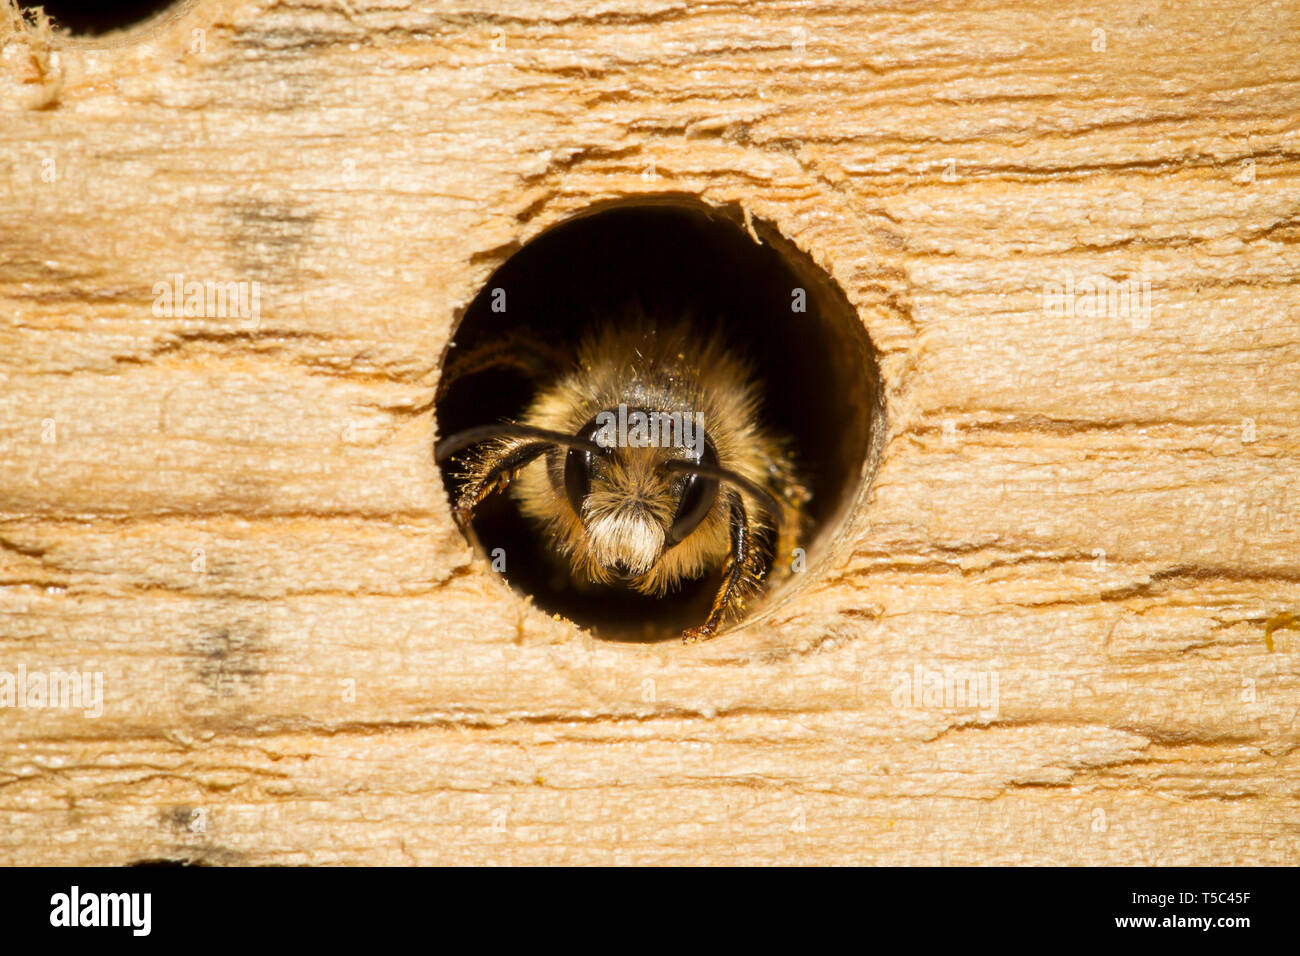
{"x":634,"y":502}
{"x":632,"y":505}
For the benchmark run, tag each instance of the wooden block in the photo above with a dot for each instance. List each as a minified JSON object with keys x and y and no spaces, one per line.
{"x":235,"y":521}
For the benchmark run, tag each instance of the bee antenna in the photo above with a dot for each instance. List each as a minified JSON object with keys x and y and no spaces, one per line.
{"x":472,"y":436}
{"x":764,"y":497}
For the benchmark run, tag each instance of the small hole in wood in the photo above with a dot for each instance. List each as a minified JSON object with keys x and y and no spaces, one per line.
{"x":93,"y":17}
{"x":817,"y":370}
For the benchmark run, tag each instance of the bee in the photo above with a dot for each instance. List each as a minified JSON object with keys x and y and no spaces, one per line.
{"x":643,"y":461}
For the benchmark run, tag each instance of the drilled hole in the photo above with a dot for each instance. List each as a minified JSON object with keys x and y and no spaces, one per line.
{"x":92,"y":17}
{"x":672,"y":257}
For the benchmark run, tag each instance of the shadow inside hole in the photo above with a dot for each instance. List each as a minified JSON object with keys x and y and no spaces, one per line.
{"x":671,"y":258}
{"x":92,"y":17}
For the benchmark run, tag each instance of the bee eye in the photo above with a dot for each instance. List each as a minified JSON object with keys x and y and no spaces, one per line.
{"x":578,"y":465}
{"x":577,"y":478}
{"x":698,"y":495}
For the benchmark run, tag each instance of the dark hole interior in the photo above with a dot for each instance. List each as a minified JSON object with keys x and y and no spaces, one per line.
{"x":89,"y":17}
{"x":673,"y":257}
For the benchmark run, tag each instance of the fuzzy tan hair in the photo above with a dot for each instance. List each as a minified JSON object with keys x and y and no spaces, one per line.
{"x":622,"y":529}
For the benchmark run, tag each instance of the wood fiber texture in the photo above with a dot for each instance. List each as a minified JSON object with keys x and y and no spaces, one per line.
{"x":238,"y":524}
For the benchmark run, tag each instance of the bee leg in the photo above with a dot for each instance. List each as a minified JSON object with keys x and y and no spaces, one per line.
{"x":496,"y":478}
{"x":746,"y":566}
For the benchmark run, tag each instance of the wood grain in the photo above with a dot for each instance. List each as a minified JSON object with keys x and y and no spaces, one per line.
{"x":238,"y":524}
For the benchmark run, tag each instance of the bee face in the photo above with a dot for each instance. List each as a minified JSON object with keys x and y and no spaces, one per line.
{"x":632,"y":508}
{"x":665,"y":501}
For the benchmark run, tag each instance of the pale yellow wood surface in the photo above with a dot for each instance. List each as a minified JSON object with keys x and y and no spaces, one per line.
{"x":1101,"y":513}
